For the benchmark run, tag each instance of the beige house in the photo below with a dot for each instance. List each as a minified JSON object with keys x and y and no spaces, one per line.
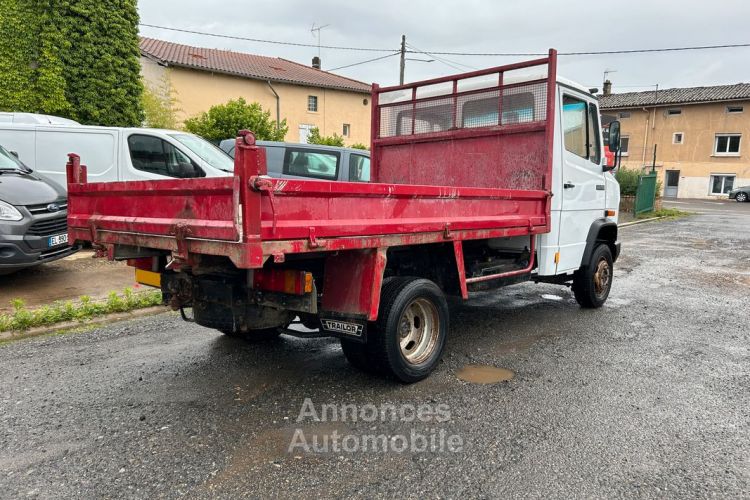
{"x":701,"y":134}
{"x":303,"y":95}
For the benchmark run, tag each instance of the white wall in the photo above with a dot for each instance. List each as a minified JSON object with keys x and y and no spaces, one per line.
{"x":700,"y":187}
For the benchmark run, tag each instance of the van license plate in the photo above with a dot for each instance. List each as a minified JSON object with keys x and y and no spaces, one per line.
{"x":58,"y":239}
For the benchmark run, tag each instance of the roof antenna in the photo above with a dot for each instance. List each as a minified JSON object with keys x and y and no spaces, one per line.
{"x":318,"y":28}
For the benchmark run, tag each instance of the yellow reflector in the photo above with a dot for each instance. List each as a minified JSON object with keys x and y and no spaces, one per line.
{"x":557,"y":257}
{"x":308,"y":282}
{"x":149,"y":278}
{"x":610,"y":213}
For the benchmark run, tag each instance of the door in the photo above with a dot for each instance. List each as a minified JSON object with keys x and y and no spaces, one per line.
{"x":583,"y":187}
{"x":672,"y":179}
{"x":304,"y":132}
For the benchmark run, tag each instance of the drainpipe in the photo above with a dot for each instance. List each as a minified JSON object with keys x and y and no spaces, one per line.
{"x":278,"y":105}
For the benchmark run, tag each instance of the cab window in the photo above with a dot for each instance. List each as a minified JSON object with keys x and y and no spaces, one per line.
{"x":595,"y":154}
{"x":575,"y":126}
{"x":314,"y":164}
{"x":359,"y":168}
{"x":157,"y":156}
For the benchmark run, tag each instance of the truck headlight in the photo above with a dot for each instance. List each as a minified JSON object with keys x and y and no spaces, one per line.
{"x":9,"y":212}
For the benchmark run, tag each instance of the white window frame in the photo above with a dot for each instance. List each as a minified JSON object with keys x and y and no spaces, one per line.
{"x":735,"y":111}
{"x":682,"y":138}
{"x":625,"y":153}
{"x":347,"y":130}
{"x":716,"y":144}
{"x":312,"y":102}
{"x":723,"y":182}
{"x":674,"y":111}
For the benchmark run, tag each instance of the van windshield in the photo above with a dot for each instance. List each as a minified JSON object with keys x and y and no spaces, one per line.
{"x":10,"y":162}
{"x":206,"y":151}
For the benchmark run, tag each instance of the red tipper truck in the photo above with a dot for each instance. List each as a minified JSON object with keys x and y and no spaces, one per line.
{"x":480,"y":180}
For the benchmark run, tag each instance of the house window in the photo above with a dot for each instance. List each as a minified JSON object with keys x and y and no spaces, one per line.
{"x":347,"y":129}
{"x":625,"y":114}
{"x":727,"y":145}
{"x":674,"y":112}
{"x":624,"y":143}
{"x":722,"y":184}
{"x":312,"y":103}
{"x":677,"y":138}
{"x":735,"y":109}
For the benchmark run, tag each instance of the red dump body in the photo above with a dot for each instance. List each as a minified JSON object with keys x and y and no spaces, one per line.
{"x":440,"y":173}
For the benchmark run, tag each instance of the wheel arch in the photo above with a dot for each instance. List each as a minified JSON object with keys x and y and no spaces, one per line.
{"x":601,"y":231}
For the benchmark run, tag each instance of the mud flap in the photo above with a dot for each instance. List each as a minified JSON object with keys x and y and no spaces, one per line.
{"x":344,"y":327}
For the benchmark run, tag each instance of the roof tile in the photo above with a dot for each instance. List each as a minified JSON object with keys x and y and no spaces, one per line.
{"x":246,"y":65}
{"x":738,"y":91}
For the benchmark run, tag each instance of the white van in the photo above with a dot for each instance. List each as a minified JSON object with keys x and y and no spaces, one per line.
{"x":113,"y":153}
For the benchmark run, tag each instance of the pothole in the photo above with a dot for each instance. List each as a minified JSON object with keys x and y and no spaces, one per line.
{"x":484,"y":374}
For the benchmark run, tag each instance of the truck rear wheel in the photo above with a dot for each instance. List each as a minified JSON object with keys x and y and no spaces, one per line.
{"x":593,"y":281}
{"x":409,"y":336}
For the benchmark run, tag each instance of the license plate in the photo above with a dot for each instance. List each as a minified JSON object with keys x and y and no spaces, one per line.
{"x":58,"y":239}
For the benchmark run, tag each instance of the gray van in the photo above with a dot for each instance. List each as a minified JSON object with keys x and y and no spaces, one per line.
{"x":33,"y":217}
{"x":312,"y":161}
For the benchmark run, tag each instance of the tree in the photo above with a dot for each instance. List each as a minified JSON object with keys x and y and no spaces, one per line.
{"x":314,"y":137}
{"x":223,"y":121}
{"x":78,"y":60}
{"x":160,"y":105}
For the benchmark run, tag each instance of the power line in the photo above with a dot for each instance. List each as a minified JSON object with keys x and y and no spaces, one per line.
{"x":447,"y":62}
{"x":364,"y":62}
{"x":594,"y":53}
{"x":450,"y":53}
{"x":258,"y":40}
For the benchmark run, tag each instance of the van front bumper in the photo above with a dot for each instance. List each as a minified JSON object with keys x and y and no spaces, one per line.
{"x":14,"y":256}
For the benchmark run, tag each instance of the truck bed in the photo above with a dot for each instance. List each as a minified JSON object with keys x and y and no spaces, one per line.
{"x":503,"y":166}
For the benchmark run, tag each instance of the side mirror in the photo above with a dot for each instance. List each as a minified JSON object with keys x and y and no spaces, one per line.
{"x":614,"y":136}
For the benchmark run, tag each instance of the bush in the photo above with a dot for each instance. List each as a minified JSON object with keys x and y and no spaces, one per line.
{"x":332,"y":140}
{"x":359,"y":145}
{"x":160,"y":105}
{"x":223,"y":121}
{"x":628,"y":180}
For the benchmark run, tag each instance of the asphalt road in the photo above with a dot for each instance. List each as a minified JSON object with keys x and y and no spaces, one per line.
{"x":647,"y":397}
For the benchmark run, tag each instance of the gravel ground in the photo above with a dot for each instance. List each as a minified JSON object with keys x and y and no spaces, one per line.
{"x":646,"y":397}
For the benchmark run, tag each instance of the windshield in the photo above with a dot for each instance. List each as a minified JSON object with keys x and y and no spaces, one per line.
{"x":10,"y":162}
{"x":206,"y":151}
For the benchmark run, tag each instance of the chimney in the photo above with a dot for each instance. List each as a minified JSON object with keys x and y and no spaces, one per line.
{"x":316,"y":62}
{"x":607,"y":89}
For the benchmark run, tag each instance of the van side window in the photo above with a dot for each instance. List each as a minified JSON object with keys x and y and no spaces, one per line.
{"x":157,"y":156}
{"x":594,"y":147}
{"x":314,"y":164}
{"x":359,"y":168}
{"x":575,"y":127}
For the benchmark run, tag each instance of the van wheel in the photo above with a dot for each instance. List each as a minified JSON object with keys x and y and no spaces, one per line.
{"x":593,"y":281}
{"x":252,"y":336}
{"x":409,"y":336}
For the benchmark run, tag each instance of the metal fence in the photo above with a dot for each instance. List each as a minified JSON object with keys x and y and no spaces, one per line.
{"x":645,"y":194}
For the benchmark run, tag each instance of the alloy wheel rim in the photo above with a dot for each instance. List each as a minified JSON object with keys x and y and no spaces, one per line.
{"x":418,"y":331}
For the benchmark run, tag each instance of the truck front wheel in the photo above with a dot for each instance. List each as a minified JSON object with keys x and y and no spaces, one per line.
{"x":409,"y":336}
{"x":593,"y":281}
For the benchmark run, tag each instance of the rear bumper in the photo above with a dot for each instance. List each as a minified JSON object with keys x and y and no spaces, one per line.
{"x":13,"y":256}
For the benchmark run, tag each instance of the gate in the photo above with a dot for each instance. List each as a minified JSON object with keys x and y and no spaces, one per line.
{"x":645,"y":194}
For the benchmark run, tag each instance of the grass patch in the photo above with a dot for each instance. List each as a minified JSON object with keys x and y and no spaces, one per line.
{"x":22,"y":319}
{"x":664,"y":212}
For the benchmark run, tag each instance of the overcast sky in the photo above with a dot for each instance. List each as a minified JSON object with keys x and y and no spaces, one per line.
{"x":480,"y":26}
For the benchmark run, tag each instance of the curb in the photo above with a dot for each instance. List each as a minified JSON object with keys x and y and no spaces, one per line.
{"x":633,"y":223}
{"x":93,"y":322}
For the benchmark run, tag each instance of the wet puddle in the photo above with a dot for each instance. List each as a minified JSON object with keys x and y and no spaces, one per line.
{"x":484,"y":374}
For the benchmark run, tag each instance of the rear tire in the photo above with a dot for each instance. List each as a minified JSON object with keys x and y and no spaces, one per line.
{"x":593,"y":281}
{"x":408,"y":338}
{"x":253,"y":336}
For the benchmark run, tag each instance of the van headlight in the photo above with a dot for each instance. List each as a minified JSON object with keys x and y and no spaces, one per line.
{"x":9,"y":212}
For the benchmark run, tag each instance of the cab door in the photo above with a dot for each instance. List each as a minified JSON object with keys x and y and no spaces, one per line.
{"x":583,"y":185}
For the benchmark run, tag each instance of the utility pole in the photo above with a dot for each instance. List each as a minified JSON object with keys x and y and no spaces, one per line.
{"x":403,"y":60}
